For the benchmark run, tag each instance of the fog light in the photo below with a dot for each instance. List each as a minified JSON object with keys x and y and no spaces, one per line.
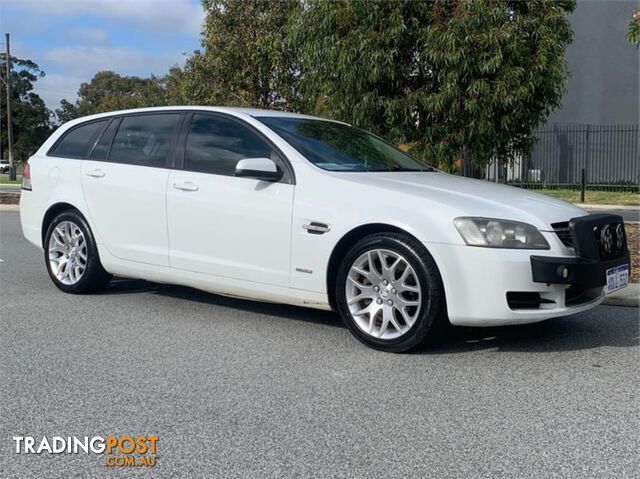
{"x":563,"y":272}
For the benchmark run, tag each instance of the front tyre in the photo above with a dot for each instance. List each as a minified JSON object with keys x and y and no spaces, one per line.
{"x":389,"y":292}
{"x":71,"y":255}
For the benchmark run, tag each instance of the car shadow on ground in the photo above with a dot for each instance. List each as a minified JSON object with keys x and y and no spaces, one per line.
{"x":604,"y":326}
{"x":126,"y":286}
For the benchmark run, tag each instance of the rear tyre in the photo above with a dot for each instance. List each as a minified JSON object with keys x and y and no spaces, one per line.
{"x":71,"y":255}
{"x":389,"y":292}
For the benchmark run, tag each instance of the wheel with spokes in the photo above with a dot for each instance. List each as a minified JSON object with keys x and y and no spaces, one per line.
{"x":71,"y":255}
{"x":389,"y":292}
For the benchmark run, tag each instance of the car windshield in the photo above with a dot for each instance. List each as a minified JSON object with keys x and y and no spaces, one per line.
{"x":338,"y":147}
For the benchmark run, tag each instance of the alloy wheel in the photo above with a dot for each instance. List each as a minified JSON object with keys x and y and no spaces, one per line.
{"x":67,"y":253}
{"x":383,"y":294}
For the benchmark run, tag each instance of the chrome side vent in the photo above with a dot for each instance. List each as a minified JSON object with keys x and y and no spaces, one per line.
{"x":315,"y":228}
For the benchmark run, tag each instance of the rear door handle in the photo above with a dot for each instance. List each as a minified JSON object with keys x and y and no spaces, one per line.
{"x":97,"y":173}
{"x":185,"y":186}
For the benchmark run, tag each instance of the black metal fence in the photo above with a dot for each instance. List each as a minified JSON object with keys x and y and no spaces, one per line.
{"x":608,"y":154}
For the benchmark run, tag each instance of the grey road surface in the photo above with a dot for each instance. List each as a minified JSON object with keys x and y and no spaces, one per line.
{"x":242,"y":389}
{"x":627,"y":214}
{"x":9,"y":188}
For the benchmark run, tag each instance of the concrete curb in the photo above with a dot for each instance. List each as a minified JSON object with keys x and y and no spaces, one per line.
{"x":11,"y":208}
{"x":9,"y":198}
{"x":607,"y":207}
{"x":629,"y":296}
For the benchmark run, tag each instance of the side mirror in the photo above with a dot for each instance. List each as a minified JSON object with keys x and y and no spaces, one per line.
{"x":258,"y":168}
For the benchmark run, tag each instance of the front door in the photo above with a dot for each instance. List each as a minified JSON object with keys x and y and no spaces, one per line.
{"x":224,"y":225}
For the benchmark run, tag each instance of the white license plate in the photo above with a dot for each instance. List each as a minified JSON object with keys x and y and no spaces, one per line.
{"x":617,"y":278}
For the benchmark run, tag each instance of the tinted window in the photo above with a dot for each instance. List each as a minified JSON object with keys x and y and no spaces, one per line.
{"x":215,"y":144}
{"x":101,"y":150}
{"x":78,"y":142}
{"x":144,"y":140}
{"x":339,"y":147}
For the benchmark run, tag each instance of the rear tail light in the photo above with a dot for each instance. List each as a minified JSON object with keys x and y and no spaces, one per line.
{"x":26,"y":177}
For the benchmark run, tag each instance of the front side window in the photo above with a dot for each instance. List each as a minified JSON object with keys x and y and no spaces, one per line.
{"x":215,"y":145}
{"x":77,"y":143}
{"x":338,"y":147}
{"x":145,"y":140}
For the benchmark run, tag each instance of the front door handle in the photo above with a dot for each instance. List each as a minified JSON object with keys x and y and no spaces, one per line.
{"x":97,"y":173}
{"x":185,"y":186}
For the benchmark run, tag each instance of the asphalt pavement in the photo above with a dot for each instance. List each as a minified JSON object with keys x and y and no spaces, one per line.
{"x":242,"y":389}
{"x":9,"y":188}
{"x":627,"y":214}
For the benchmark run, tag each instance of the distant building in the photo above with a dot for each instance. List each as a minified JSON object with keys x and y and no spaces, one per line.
{"x":596,"y":128}
{"x":604,"y":87}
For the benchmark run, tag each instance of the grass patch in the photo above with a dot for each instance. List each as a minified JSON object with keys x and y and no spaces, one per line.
{"x":4,"y":179}
{"x":595,"y":197}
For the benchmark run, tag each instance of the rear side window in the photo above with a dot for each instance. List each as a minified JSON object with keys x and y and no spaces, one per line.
{"x":77,"y":143}
{"x":215,"y":144}
{"x":145,"y":140}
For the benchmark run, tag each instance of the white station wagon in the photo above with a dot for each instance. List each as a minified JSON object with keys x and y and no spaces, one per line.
{"x":288,"y":208}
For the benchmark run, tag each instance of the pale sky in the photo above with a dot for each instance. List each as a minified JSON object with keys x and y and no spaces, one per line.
{"x":71,"y":40}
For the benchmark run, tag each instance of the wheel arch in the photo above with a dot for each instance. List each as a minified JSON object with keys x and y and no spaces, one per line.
{"x":53,"y":211}
{"x":346,"y":242}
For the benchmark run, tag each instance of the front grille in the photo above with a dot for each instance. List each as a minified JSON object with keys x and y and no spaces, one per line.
{"x":610,"y":238}
{"x":564,"y":233}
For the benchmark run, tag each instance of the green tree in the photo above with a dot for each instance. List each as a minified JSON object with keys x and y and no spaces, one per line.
{"x":31,"y":118}
{"x":68,"y":111}
{"x":633,"y":34}
{"x":466,"y":78}
{"x":108,"y":91}
{"x":245,"y":59}
{"x":176,"y":87}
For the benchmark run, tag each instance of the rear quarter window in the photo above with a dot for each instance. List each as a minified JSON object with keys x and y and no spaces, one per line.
{"x":78,"y":141}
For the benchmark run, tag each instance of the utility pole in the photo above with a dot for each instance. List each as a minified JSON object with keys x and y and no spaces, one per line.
{"x":12,"y":169}
{"x":1,"y":157}
{"x":4,"y":83}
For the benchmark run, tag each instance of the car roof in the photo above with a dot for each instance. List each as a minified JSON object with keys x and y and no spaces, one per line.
{"x":254,"y":112}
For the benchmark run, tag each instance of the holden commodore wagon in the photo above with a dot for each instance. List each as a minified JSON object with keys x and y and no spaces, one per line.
{"x":280,"y":207}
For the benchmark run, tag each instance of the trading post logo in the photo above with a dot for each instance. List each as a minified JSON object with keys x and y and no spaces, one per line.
{"x":119,"y":451}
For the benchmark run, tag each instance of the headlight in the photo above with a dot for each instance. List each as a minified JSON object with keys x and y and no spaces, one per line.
{"x":493,"y":233}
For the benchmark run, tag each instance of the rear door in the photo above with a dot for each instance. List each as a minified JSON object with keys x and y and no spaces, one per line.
{"x":221,"y":224}
{"x":125,"y":182}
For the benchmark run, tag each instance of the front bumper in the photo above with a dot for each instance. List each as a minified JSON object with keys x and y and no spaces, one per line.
{"x":492,"y":287}
{"x":600,"y":244}
{"x":577,"y":272}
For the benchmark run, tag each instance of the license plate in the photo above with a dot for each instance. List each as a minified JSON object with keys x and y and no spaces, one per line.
{"x":617,"y":278}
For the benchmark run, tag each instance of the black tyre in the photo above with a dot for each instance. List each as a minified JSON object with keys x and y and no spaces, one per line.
{"x":389,"y":292}
{"x":71,"y":255}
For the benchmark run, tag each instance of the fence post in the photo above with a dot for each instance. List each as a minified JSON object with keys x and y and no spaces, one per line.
{"x":586,"y":162}
{"x":583,"y":184}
